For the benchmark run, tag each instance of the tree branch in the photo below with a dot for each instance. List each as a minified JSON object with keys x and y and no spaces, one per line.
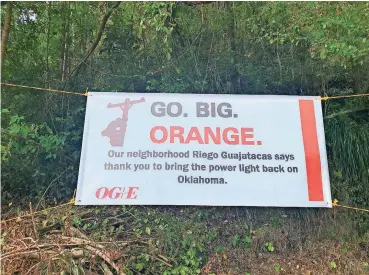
{"x":195,"y":3}
{"x":97,"y":40}
{"x":345,"y":113}
{"x":5,"y":32}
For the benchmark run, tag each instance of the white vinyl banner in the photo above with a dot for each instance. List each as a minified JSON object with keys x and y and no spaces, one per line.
{"x":190,"y":149}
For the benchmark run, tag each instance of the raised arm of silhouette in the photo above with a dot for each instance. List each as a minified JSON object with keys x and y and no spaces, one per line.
{"x":116,"y":130}
{"x":127,"y":103}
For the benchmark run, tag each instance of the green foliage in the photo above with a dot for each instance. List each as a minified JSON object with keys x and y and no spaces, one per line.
{"x":219,"y":249}
{"x":30,"y":148}
{"x":269,"y":247}
{"x":212,"y":235}
{"x":344,"y":250}
{"x":246,"y":226}
{"x":181,"y":242}
{"x":289,"y":48}
{"x":276,"y":222}
{"x":28,"y":139}
{"x":246,"y":241}
{"x":366,"y":266}
{"x":235,"y":240}
{"x":347,"y":139}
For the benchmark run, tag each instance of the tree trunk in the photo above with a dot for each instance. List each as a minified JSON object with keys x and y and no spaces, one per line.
{"x":97,"y":39}
{"x":5,"y":33}
{"x":67,"y":44}
{"x":48,"y":45}
{"x":65,"y":38}
{"x":234,"y":75}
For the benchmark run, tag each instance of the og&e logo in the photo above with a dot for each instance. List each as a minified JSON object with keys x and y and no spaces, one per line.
{"x":116,"y":193}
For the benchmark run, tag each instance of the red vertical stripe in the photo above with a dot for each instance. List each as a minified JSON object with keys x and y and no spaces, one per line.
{"x":311,"y":147}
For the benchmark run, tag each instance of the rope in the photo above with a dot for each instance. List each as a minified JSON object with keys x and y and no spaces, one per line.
{"x":86,"y":92}
{"x":45,"y":89}
{"x":342,"y":96}
{"x":71,"y":202}
{"x":335,"y":204}
{"x":38,"y":212}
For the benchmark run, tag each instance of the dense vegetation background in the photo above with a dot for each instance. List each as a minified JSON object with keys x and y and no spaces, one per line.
{"x":289,"y":48}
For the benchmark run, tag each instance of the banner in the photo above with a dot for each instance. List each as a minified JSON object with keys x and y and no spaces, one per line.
{"x":191,"y":149}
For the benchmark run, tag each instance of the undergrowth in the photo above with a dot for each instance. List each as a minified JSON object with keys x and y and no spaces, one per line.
{"x":180,"y":240}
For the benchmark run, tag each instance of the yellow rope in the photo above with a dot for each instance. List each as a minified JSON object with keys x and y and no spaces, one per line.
{"x":72,"y":201}
{"x":86,"y":92}
{"x":335,"y":204}
{"x":40,"y":211}
{"x":341,"y":96}
{"x":45,"y":89}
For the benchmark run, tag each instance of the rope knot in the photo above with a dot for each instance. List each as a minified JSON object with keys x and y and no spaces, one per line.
{"x":324,"y":98}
